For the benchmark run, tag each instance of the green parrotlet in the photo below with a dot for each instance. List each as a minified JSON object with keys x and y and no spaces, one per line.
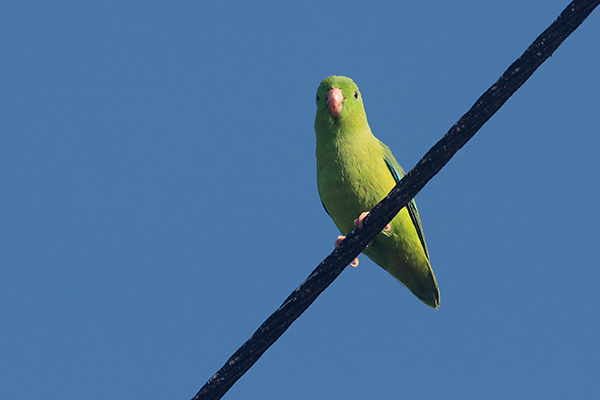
{"x":355,"y":171}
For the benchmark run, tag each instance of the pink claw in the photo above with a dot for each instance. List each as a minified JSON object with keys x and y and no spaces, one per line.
{"x":358,"y":222}
{"x":354,"y":262}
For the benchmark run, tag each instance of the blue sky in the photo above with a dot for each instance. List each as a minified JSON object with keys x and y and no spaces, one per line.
{"x":159,"y":200}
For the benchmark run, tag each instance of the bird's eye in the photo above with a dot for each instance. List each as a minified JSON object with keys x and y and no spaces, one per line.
{"x":318,"y":98}
{"x":356,"y":95}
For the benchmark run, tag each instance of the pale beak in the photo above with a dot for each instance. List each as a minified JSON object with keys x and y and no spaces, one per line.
{"x":335,"y":101}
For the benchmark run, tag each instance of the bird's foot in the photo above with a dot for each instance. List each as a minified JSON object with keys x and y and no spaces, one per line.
{"x":354,"y":262}
{"x":358,"y":222}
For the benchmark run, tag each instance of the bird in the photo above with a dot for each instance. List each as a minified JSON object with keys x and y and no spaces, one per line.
{"x":355,"y":171}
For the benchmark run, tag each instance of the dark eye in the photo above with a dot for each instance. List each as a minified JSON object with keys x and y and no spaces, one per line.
{"x":318,"y":98}
{"x":356,"y":95}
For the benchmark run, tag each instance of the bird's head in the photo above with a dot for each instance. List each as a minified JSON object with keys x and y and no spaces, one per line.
{"x":339,"y":104}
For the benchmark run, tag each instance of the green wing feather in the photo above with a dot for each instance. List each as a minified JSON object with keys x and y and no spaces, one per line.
{"x":397,"y":172}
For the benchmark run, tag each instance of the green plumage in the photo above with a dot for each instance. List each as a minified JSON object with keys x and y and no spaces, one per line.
{"x":355,"y":171}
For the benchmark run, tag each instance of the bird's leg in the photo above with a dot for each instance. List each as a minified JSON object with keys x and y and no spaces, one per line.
{"x":358,"y":223}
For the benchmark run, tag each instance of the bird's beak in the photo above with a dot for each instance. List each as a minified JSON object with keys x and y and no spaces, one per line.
{"x":335,"y":101}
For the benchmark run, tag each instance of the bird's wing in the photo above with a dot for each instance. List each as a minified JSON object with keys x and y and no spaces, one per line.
{"x":397,"y":173}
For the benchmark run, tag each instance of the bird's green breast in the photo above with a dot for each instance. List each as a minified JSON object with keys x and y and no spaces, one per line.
{"x":351,"y":176}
